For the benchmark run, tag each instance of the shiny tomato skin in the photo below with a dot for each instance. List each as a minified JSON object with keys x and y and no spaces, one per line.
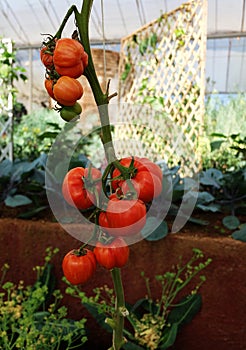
{"x":73,"y":72}
{"x":68,"y":113}
{"x":123,"y":217}
{"x":74,"y":190}
{"x":146,"y":184}
{"x":49,"y":84}
{"x":147,"y":178}
{"x":68,"y":52}
{"x":46,"y":57}
{"x":78,"y":269}
{"x":112,"y":255}
{"x":67,"y":91}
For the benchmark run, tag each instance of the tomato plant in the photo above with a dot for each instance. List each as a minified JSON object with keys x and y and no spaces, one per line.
{"x":67,"y":91}
{"x":78,"y":187}
{"x":70,"y":112}
{"x":123,"y":217}
{"x":78,"y":266}
{"x":70,"y":58}
{"x":145,"y":176}
{"x":114,"y":254}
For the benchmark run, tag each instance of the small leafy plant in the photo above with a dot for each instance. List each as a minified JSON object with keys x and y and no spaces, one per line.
{"x":23,"y":183}
{"x":31,"y":318}
{"x":153,"y":323}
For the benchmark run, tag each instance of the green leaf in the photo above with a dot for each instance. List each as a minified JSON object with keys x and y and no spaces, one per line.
{"x":231,"y":222}
{"x":153,"y":40}
{"x":154,"y":229}
{"x":31,"y":213}
{"x":240,"y":234}
{"x":48,"y":134}
{"x":169,"y":336}
{"x":216,"y":145}
{"x":17,"y":200}
{"x":185,"y":311}
{"x":99,"y":316}
{"x":132,"y":346}
{"x":198,"y":221}
{"x":127,"y":70}
{"x":217,"y":134}
{"x":205,"y":197}
{"x":143,"y":45}
{"x":211,"y":177}
{"x":5,"y":168}
{"x":210,"y":207}
{"x":143,"y":305}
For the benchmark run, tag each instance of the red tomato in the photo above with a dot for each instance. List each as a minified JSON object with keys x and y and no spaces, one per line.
{"x":49,"y":84}
{"x":112,"y":255}
{"x":146,"y":178}
{"x":74,"y":189}
{"x":46,"y":57}
{"x":78,"y":268}
{"x":69,"y":53}
{"x":67,"y":91}
{"x":72,"y":72}
{"x":123,"y":217}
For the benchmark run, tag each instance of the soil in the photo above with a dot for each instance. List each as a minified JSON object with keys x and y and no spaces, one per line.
{"x":219,"y":325}
{"x":213,"y":227}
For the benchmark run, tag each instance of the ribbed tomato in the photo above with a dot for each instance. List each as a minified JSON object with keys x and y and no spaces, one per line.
{"x":114,"y":254}
{"x":49,"y":84}
{"x":78,"y":267}
{"x":70,"y":57}
{"x":67,"y":91}
{"x":46,"y":57}
{"x":76,"y":192}
{"x":123,"y":217}
{"x":72,"y":72}
{"x":146,"y":178}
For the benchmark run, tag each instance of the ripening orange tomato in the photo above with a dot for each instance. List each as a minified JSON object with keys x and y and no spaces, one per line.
{"x":46,"y":57}
{"x":67,"y":91}
{"x":49,"y":84}
{"x":72,"y":72}
{"x":70,"y":58}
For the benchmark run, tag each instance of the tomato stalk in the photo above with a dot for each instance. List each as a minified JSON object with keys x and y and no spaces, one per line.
{"x":102,"y":100}
{"x":120,"y":310}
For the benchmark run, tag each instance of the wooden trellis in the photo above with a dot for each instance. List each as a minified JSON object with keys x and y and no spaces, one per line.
{"x":162,"y":88}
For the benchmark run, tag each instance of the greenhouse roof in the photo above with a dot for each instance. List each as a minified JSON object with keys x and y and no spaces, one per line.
{"x":24,"y":21}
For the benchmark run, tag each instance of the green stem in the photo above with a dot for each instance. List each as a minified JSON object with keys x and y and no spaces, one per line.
{"x":102,"y":101}
{"x":72,"y":9}
{"x":118,"y":340}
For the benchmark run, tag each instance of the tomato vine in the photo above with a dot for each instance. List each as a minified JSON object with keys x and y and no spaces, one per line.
{"x":133,"y":181}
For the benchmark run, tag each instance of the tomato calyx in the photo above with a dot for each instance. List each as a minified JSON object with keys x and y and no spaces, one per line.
{"x":80,"y":251}
{"x":126,"y":173}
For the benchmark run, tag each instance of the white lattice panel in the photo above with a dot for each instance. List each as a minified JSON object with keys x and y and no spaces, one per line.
{"x":162,"y":91}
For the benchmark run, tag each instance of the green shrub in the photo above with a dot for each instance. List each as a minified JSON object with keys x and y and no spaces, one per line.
{"x":224,"y":144}
{"x":27,"y":141}
{"x":31,"y":317}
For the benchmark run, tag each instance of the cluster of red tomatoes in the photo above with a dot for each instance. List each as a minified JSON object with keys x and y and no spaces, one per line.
{"x":65,"y":60}
{"x":120,"y":214}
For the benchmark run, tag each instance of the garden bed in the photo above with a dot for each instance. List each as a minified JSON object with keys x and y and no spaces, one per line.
{"x":221,"y":321}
